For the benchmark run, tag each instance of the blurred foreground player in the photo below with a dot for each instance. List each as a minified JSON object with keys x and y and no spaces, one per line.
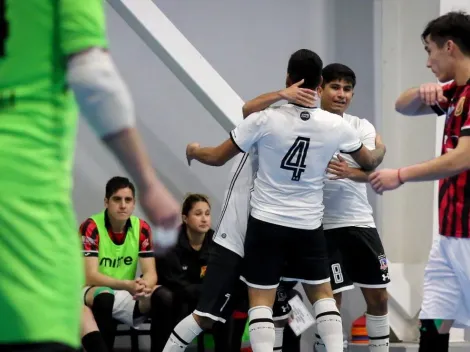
{"x":50,"y":50}
{"x":446,"y":299}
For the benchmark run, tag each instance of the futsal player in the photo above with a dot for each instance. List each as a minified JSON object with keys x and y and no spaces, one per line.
{"x":356,"y":253}
{"x":50,"y":53}
{"x":446,"y":298}
{"x":222,"y":291}
{"x":295,"y":144}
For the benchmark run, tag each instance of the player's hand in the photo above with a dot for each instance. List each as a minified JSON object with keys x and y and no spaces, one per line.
{"x":191,"y":147}
{"x":134,"y":288}
{"x":144,"y":289}
{"x":384,"y":180}
{"x":339,"y":168}
{"x":160,"y":207}
{"x":431,"y":94}
{"x":302,"y":96}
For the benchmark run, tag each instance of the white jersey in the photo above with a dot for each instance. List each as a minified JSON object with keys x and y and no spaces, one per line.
{"x":231,"y":230}
{"x":295,"y":145}
{"x":345,"y":201}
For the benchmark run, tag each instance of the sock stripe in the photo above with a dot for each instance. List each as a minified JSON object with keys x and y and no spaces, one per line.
{"x":261,"y":320}
{"x":379,"y":337}
{"x":328,"y":313}
{"x":277,"y":348}
{"x":179,"y":338}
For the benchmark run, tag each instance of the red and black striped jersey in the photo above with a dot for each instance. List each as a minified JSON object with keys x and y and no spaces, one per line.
{"x":91,"y":238}
{"x":454,"y":192}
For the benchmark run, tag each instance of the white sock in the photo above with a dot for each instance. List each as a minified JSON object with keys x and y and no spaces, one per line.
{"x":378,"y":329}
{"x":262,"y":335}
{"x":319,"y":346}
{"x":183,"y":334}
{"x":329,"y":324}
{"x":279,"y":335}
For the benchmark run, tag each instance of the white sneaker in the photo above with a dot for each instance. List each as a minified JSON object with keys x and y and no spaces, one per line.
{"x":345,"y":346}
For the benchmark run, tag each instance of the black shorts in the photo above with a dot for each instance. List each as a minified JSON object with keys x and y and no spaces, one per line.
{"x":357,"y":257}
{"x":273,"y":252}
{"x":223,"y":291}
{"x":37,"y":347}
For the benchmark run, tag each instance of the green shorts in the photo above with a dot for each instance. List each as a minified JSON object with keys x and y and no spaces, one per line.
{"x":41,"y":272}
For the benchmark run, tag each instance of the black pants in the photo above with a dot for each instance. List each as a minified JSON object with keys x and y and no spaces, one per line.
{"x":168,"y":309}
{"x":36,"y":347}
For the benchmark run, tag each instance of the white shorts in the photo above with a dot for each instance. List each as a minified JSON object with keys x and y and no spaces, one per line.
{"x":447,"y":282}
{"x":231,"y":230}
{"x":123,"y":308}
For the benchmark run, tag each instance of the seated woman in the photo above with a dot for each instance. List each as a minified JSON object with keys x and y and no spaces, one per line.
{"x":180,"y":274}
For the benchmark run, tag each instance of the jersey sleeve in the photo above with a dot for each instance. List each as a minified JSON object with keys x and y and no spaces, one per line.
{"x":349,"y":141}
{"x":145,"y":242}
{"x":367,"y":134}
{"x":441,"y":108}
{"x":250,"y":130}
{"x":465,"y":130}
{"x":90,"y":238}
{"x":82,"y":25}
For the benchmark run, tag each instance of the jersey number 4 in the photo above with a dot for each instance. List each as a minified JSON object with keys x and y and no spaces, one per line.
{"x":3,"y":27}
{"x":294,"y":160}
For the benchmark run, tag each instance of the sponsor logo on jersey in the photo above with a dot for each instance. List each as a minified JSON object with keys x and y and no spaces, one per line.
{"x":116,"y":262}
{"x":203,"y":271}
{"x":459,"y":107}
{"x":304,"y":115}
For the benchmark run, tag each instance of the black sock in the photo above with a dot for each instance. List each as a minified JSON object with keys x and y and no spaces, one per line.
{"x":103,"y":313}
{"x":93,"y":342}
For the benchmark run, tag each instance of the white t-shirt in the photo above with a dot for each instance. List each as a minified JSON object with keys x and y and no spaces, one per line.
{"x":345,"y":201}
{"x":231,"y":229}
{"x":295,"y":145}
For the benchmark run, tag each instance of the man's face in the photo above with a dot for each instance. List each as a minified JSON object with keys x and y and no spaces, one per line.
{"x":440,"y":60}
{"x":336,"y":96}
{"x":121,"y":204}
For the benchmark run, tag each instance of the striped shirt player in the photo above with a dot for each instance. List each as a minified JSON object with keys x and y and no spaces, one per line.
{"x":446,"y":298}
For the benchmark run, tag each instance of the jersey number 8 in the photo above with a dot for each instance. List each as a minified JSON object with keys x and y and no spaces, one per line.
{"x":294,"y":160}
{"x":3,"y":27}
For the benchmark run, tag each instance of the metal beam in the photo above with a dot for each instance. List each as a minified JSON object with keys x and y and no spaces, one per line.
{"x":182,"y":58}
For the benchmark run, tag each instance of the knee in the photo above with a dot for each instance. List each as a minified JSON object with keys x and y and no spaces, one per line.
{"x":204,"y":323}
{"x":377,"y":301}
{"x":162,"y":297}
{"x":103,"y":301}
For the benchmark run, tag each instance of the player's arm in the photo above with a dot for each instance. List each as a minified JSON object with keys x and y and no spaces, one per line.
{"x":293,"y":94}
{"x":248,"y":132}
{"x":351,"y":144}
{"x":106,"y":104}
{"x":146,"y":257}
{"x":447,"y":165}
{"x":340,"y":168}
{"x":426,"y":99}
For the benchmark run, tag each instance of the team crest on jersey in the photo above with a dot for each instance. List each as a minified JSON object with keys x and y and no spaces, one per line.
{"x":304,"y":115}
{"x":383,"y":262}
{"x":459,"y":107}
{"x":203,"y":271}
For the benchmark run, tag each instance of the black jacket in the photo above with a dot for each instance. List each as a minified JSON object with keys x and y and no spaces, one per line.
{"x":183,"y":268}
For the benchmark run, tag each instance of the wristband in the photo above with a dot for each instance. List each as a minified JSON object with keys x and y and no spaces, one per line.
{"x":399,"y":177}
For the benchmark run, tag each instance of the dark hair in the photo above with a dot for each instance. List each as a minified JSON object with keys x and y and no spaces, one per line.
{"x":307,"y":65}
{"x":333,"y":72}
{"x":453,"y":26}
{"x":117,"y":183}
{"x":188,"y":203}
{"x":190,"y":200}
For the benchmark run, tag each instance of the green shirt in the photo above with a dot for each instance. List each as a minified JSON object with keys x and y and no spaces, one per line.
{"x":118,"y":261}
{"x":37,"y":110}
